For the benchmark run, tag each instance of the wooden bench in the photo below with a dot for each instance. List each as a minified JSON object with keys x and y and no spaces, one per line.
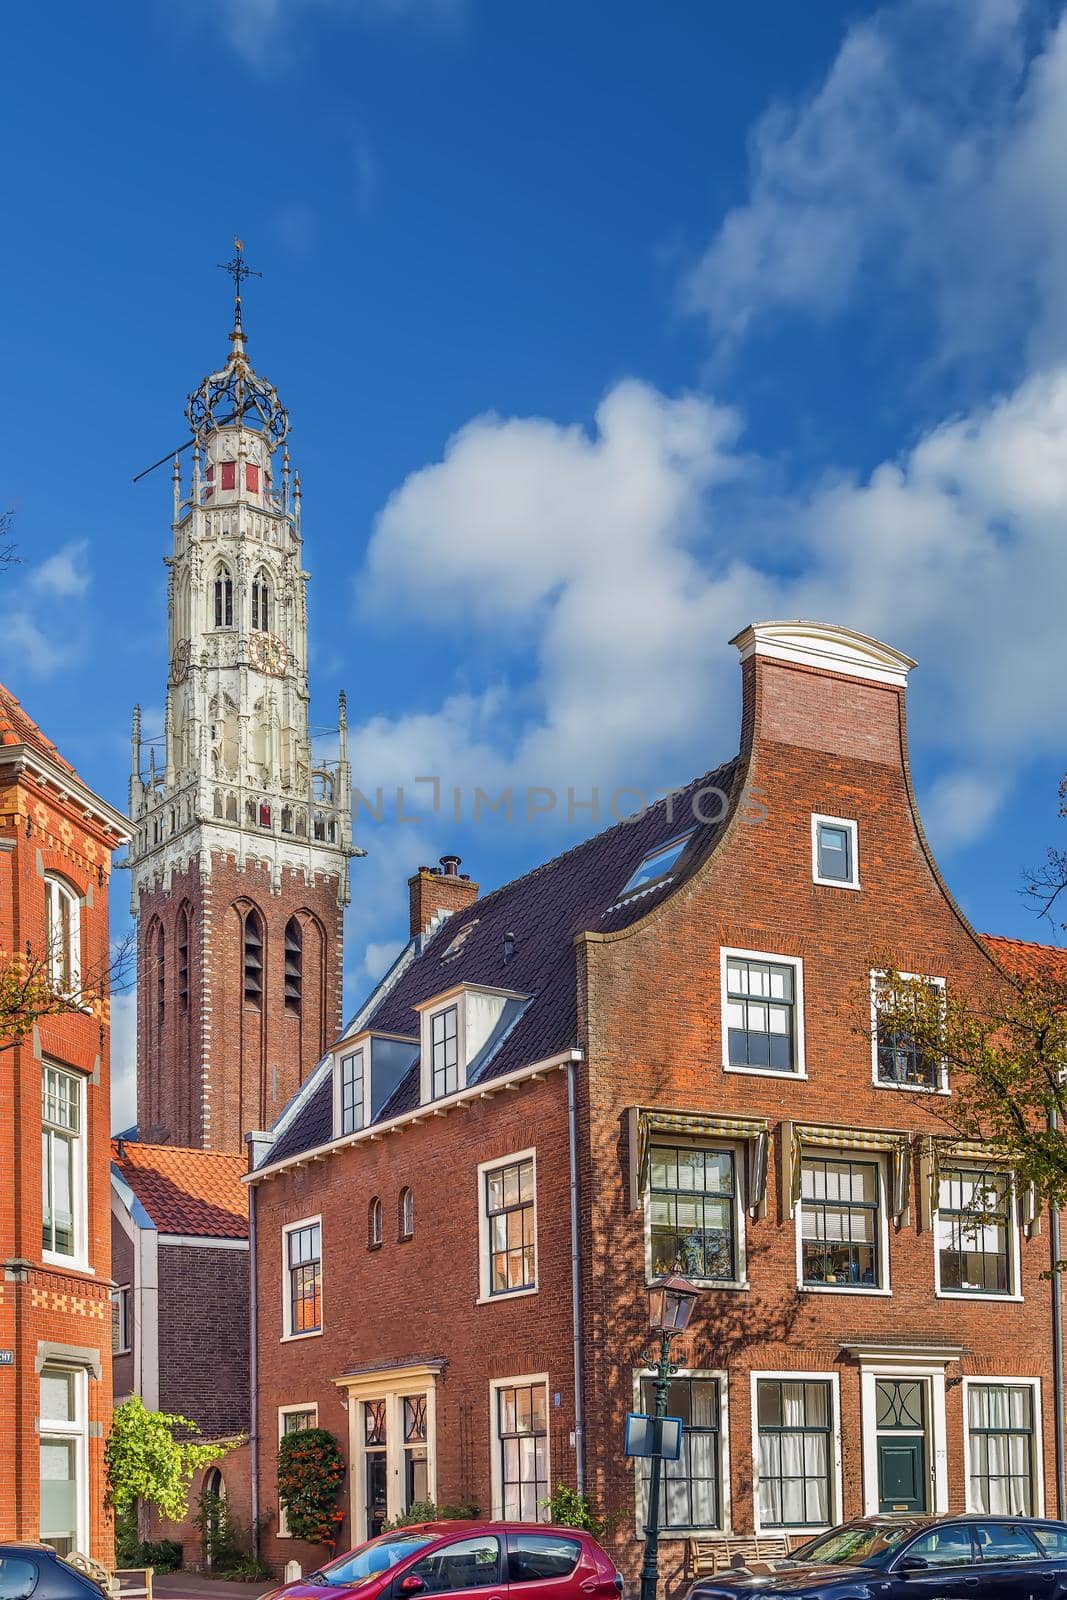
{"x":704,"y":1556}
{"x":132,"y":1583}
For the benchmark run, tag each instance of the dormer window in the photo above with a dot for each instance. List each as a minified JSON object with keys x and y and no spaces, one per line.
{"x":657,"y":865}
{"x":460,"y":1031}
{"x":352,"y":1086}
{"x":368,"y":1069}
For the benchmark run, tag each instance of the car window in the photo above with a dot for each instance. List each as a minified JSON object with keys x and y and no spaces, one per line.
{"x":1052,"y":1538}
{"x":370,"y":1560}
{"x":857,"y":1544}
{"x":943,"y":1547}
{"x":18,"y":1578}
{"x":541,"y":1555}
{"x":466,"y":1564}
{"x":1004,"y":1541}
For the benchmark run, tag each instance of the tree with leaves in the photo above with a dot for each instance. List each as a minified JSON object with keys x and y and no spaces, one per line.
{"x":311,"y":1470}
{"x":148,"y":1464}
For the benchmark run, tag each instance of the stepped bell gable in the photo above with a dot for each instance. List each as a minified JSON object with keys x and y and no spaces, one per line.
{"x":242,"y":839}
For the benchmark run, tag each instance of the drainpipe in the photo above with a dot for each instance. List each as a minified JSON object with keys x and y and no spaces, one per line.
{"x":576,"y":1278}
{"x":1057,"y":1346}
{"x":253,"y":1365}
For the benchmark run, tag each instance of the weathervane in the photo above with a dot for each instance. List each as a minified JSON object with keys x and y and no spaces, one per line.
{"x":238,"y":271}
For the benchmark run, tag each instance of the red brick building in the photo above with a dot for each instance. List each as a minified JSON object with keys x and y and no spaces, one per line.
{"x":241,"y":833}
{"x":660,"y":1046}
{"x":56,"y":843}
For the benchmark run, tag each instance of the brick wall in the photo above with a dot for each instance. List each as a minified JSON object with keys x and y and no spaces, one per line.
{"x":203,"y":1336}
{"x":217,"y":1067}
{"x":44,"y":1305}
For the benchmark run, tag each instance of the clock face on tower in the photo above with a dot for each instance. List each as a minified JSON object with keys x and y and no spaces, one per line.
{"x":267,"y":653}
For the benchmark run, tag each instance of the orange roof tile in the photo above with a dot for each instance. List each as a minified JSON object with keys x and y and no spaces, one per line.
{"x":196,"y":1192}
{"x":1025,"y":959}
{"x":18,"y":727}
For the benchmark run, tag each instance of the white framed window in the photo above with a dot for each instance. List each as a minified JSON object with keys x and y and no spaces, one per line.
{"x":695,"y":1489}
{"x":293,"y":1419}
{"x":896,"y":1060}
{"x":64,"y":1432}
{"x":842,"y":1224}
{"x":977,"y":1234}
{"x":521,"y":1464}
{"x":63,"y":1178}
{"x":121,"y":1324}
{"x":507,"y":1226}
{"x":405,"y":1214}
{"x":762,"y":1010}
{"x":694,"y":1212}
{"x":302,"y":1279}
{"x":796,"y":1427}
{"x":444,"y":1052}
{"x":375,"y":1229}
{"x":1002,"y":1446}
{"x":62,"y":934}
{"x":835,"y":846}
{"x":350,"y":1092}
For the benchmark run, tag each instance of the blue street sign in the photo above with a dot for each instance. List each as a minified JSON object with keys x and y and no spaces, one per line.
{"x":7,"y":1358}
{"x":653,"y":1436}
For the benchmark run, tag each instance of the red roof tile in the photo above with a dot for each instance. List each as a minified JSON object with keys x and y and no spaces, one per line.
{"x":18,"y":727}
{"x":195,"y":1192}
{"x":1025,"y":959}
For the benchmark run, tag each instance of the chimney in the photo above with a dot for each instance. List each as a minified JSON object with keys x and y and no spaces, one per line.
{"x":435,"y":889}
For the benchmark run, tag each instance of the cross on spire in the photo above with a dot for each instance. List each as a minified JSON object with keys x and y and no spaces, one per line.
{"x":238,"y":271}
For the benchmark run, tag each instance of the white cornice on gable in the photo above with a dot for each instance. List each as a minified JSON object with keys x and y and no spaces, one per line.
{"x":828,"y":647}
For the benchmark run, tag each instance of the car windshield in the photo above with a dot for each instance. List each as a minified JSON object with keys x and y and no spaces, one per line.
{"x":371,"y":1559}
{"x":860,"y":1544}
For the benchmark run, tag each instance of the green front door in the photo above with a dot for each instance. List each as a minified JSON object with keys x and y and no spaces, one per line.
{"x":903,"y":1484}
{"x":901,"y":1474}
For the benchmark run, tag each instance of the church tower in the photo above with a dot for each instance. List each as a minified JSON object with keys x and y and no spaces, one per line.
{"x":239,"y":860}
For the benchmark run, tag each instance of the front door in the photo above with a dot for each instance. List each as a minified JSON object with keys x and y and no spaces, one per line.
{"x":903,"y":1478}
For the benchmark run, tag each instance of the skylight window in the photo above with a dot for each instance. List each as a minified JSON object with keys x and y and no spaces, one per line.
{"x":656,"y":865}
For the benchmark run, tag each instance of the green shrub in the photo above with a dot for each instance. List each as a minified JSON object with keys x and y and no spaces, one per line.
{"x":311,"y":1470}
{"x":568,"y":1509}
{"x":164,"y":1555}
{"x":428,"y":1511}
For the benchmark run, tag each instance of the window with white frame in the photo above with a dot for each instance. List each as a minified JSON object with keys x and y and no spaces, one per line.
{"x":899,"y":1060}
{"x":520,"y":1426}
{"x":975,"y":1229}
{"x":762,"y":1001}
{"x":62,"y":934}
{"x":121,"y":1327}
{"x":1002,"y":1448}
{"x":835,"y":852}
{"x":293,"y":1419}
{"x":841,"y":1223}
{"x":691,"y":1488}
{"x":693,"y":1212}
{"x":62,"y":1163}
{"x":63,"y":1430}
{"x":352,"y":1090}
{"x":444,"y":1052}
{"x":302,"y":1248}
{"x":795,"y":1451}
{"x":508,"y":1204}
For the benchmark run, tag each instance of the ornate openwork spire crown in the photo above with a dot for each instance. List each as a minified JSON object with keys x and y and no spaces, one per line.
{"x":237,"y":393}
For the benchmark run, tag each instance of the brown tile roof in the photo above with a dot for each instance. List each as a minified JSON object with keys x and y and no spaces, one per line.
{"x":18,"y":727}
{"x":1026,"y":960}
{"x":196,"y":1192}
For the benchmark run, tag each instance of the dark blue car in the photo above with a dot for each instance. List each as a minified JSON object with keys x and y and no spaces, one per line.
{"x":913,"y":1558}
{"x":35,"y":1572}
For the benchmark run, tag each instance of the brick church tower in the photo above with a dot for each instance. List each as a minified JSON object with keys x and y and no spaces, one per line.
{"x":242,"y":839}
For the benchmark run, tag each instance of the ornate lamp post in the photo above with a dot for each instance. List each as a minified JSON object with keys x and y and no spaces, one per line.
{"x":670,"y":1304}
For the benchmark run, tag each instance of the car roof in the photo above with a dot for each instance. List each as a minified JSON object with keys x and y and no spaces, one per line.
{"x":441,"y":1530}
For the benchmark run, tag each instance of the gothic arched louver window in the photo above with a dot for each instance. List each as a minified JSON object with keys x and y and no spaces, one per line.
{"x":294,"y":962}
{"x":374,"y":1223}
{"x":253,"y":958}
{"x":183,"y":958}
{"x":223,"y":597}
{"x":261,"y":602}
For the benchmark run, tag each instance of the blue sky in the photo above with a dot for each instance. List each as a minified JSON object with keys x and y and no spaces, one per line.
{"x":604,"y":331}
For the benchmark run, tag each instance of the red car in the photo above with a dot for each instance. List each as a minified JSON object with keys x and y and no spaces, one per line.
{"x":487,"y":1560}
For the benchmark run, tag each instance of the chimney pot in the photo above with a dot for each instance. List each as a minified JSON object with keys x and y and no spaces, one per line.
{"x":450,"y":866}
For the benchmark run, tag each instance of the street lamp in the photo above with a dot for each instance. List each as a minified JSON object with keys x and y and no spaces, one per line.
{"x":670,"y":1305}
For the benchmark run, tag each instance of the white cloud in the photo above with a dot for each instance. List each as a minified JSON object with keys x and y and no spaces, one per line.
{"x":379,"y":957}
{"x":612,"y":557}
{"x":268,"y":35}
{"x":931,"y":160}
{"x":65,"y":574}
{"x":123,"y":1060}
{"x":959,"y":808}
